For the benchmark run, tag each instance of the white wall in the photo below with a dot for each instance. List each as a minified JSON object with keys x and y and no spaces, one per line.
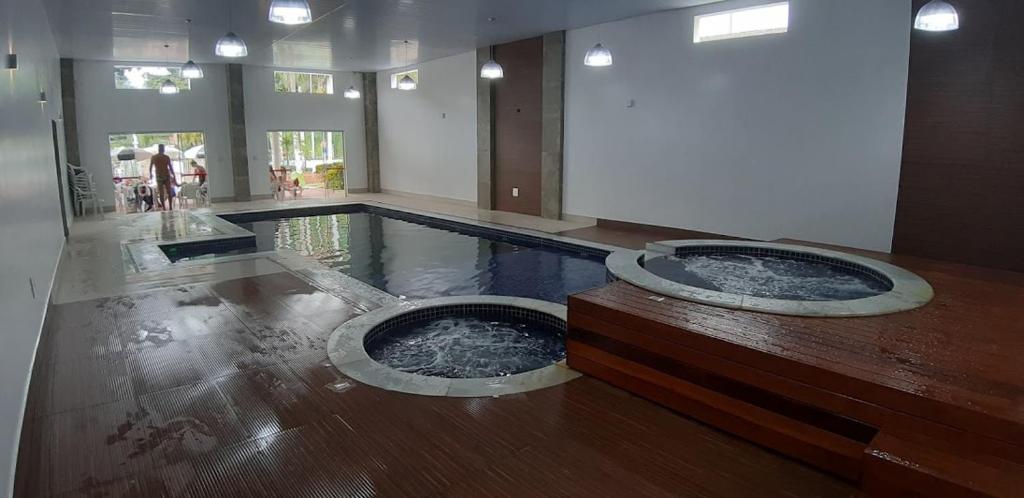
{"x":428,"y":135}
{"x":267,"y":110}
{"x":31,"y":236}
{"x":103,"y":109}
{"x":794,"y":135}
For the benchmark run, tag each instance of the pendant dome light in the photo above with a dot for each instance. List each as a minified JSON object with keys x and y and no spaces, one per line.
{"x":406,"y":82}
{"x":190,"y":69}
{"x":168,"y":87}
{"x":491,"y":70}
{"x":352,"y":93}
{"x":290,"y":12}
{"x":937,"y":15}
{"x":598,"y":56}
{"x":231,"y":45}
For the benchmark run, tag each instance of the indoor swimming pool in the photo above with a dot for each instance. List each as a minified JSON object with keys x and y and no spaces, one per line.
{"x":418,"y":257}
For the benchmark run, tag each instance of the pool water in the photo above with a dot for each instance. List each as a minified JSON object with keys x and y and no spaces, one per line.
{"x":416,"y":261}
{"x":463,"y":347}
{"x":775,"y":277}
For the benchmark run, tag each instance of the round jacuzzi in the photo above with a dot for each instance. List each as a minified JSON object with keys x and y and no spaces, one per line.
{"x":462,"y":346}
{"x":773,"y":278}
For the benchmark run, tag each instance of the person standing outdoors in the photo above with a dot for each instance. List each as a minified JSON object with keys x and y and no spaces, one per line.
{"x":160,"y":166}
{"x":199,"y":171}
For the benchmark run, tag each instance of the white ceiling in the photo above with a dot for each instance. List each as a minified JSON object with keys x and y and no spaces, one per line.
{"x":359,"y":35}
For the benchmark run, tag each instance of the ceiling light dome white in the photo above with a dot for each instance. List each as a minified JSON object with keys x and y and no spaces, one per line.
{"x":191,"y":70}
{"x":937,"y":15}
{"x":230,"y":45}
{"x":352,"y":93}
{"x":598,"y":56}
{"x":290,"y":12}
{"x":406,"y":83}
{"x":168,"y":88}
{"x":491,"y":70}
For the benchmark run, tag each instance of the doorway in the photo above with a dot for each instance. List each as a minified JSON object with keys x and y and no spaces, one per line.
{"x":307,"y":163}
{"x":60,"y":174}
{"x":129,"y":163}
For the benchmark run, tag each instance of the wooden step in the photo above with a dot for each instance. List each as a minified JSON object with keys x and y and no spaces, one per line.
{"x":895,"y":466}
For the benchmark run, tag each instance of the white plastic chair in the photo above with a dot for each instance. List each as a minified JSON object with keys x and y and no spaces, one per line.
{"x":85,"y":190}
{"x":188,"y":192}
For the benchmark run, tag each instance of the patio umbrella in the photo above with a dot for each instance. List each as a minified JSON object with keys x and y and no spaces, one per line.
{"x":131,"y":154}
{"x":197,"y":152}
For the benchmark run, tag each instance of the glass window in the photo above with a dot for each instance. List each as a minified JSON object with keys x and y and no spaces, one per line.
{"x":414,"y":74}
{"x":740,"y":23}
{"x":300,"y":82}
{"x":148,"y":77}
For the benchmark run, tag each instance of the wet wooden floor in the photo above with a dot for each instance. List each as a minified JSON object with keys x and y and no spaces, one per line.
{"x":226,"y":390}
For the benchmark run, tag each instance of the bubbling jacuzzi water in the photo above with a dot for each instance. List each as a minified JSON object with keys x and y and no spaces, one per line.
{"x":465,"y":346}
{"x":769,"y":276}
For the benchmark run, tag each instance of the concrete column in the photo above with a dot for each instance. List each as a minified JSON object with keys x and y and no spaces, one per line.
{"x":236,"y":133}
{"x":67,"y":90}
{"x":371,"y":131}
{"x":484,"y":135}
{"x":552,"y":125}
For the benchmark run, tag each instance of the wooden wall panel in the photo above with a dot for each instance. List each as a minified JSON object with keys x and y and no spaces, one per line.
{"x":962,"y":182}
{"x":517,"y":122}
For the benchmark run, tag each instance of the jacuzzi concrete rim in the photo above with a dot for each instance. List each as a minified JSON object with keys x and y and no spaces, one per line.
{"x":909,"y":291}
{"x":347,"y":352}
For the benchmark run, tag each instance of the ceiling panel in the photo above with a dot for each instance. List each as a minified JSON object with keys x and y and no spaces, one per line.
{"x":345,"y":35}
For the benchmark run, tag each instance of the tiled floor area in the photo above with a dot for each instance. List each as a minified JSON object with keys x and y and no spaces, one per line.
{"x":223,"y":388}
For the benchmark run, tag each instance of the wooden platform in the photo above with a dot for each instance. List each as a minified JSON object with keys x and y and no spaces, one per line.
{"x":927,"y":401}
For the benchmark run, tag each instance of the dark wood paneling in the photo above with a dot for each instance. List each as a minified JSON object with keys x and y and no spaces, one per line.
{"x":962,"y":180}
{"x":517,"y":121}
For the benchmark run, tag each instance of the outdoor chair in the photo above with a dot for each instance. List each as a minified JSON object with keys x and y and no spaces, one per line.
{"x":85,"y":190}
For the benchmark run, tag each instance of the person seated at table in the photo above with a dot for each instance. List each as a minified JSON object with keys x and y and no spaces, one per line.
{"x":144,"y":197}
{"x":199,"y":172}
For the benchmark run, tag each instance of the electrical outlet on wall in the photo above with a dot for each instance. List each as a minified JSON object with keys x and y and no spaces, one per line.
{"x":515,"y":191}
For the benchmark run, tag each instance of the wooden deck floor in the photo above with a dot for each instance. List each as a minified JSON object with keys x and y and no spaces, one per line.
{"x":950,"y":370}
{"x":225,"y":390}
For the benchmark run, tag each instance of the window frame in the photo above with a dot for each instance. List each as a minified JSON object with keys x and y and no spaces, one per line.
{"x":183,"y":84}
{"x":731,"y":35}
{"x":413,"y":73}
{"x":308,"y":74}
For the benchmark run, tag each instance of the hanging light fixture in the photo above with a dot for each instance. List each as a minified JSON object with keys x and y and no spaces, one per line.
{"x":406,"y":82}
{"x":168,"y":87}
{"x":352,"y":93}
{"x":230,"y":45}
{"x":190,"y":69}
{"x":937,"y":15}
{"x":491,"y":70}
{"x":290,"y":12}
{"x":598,"y":56}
